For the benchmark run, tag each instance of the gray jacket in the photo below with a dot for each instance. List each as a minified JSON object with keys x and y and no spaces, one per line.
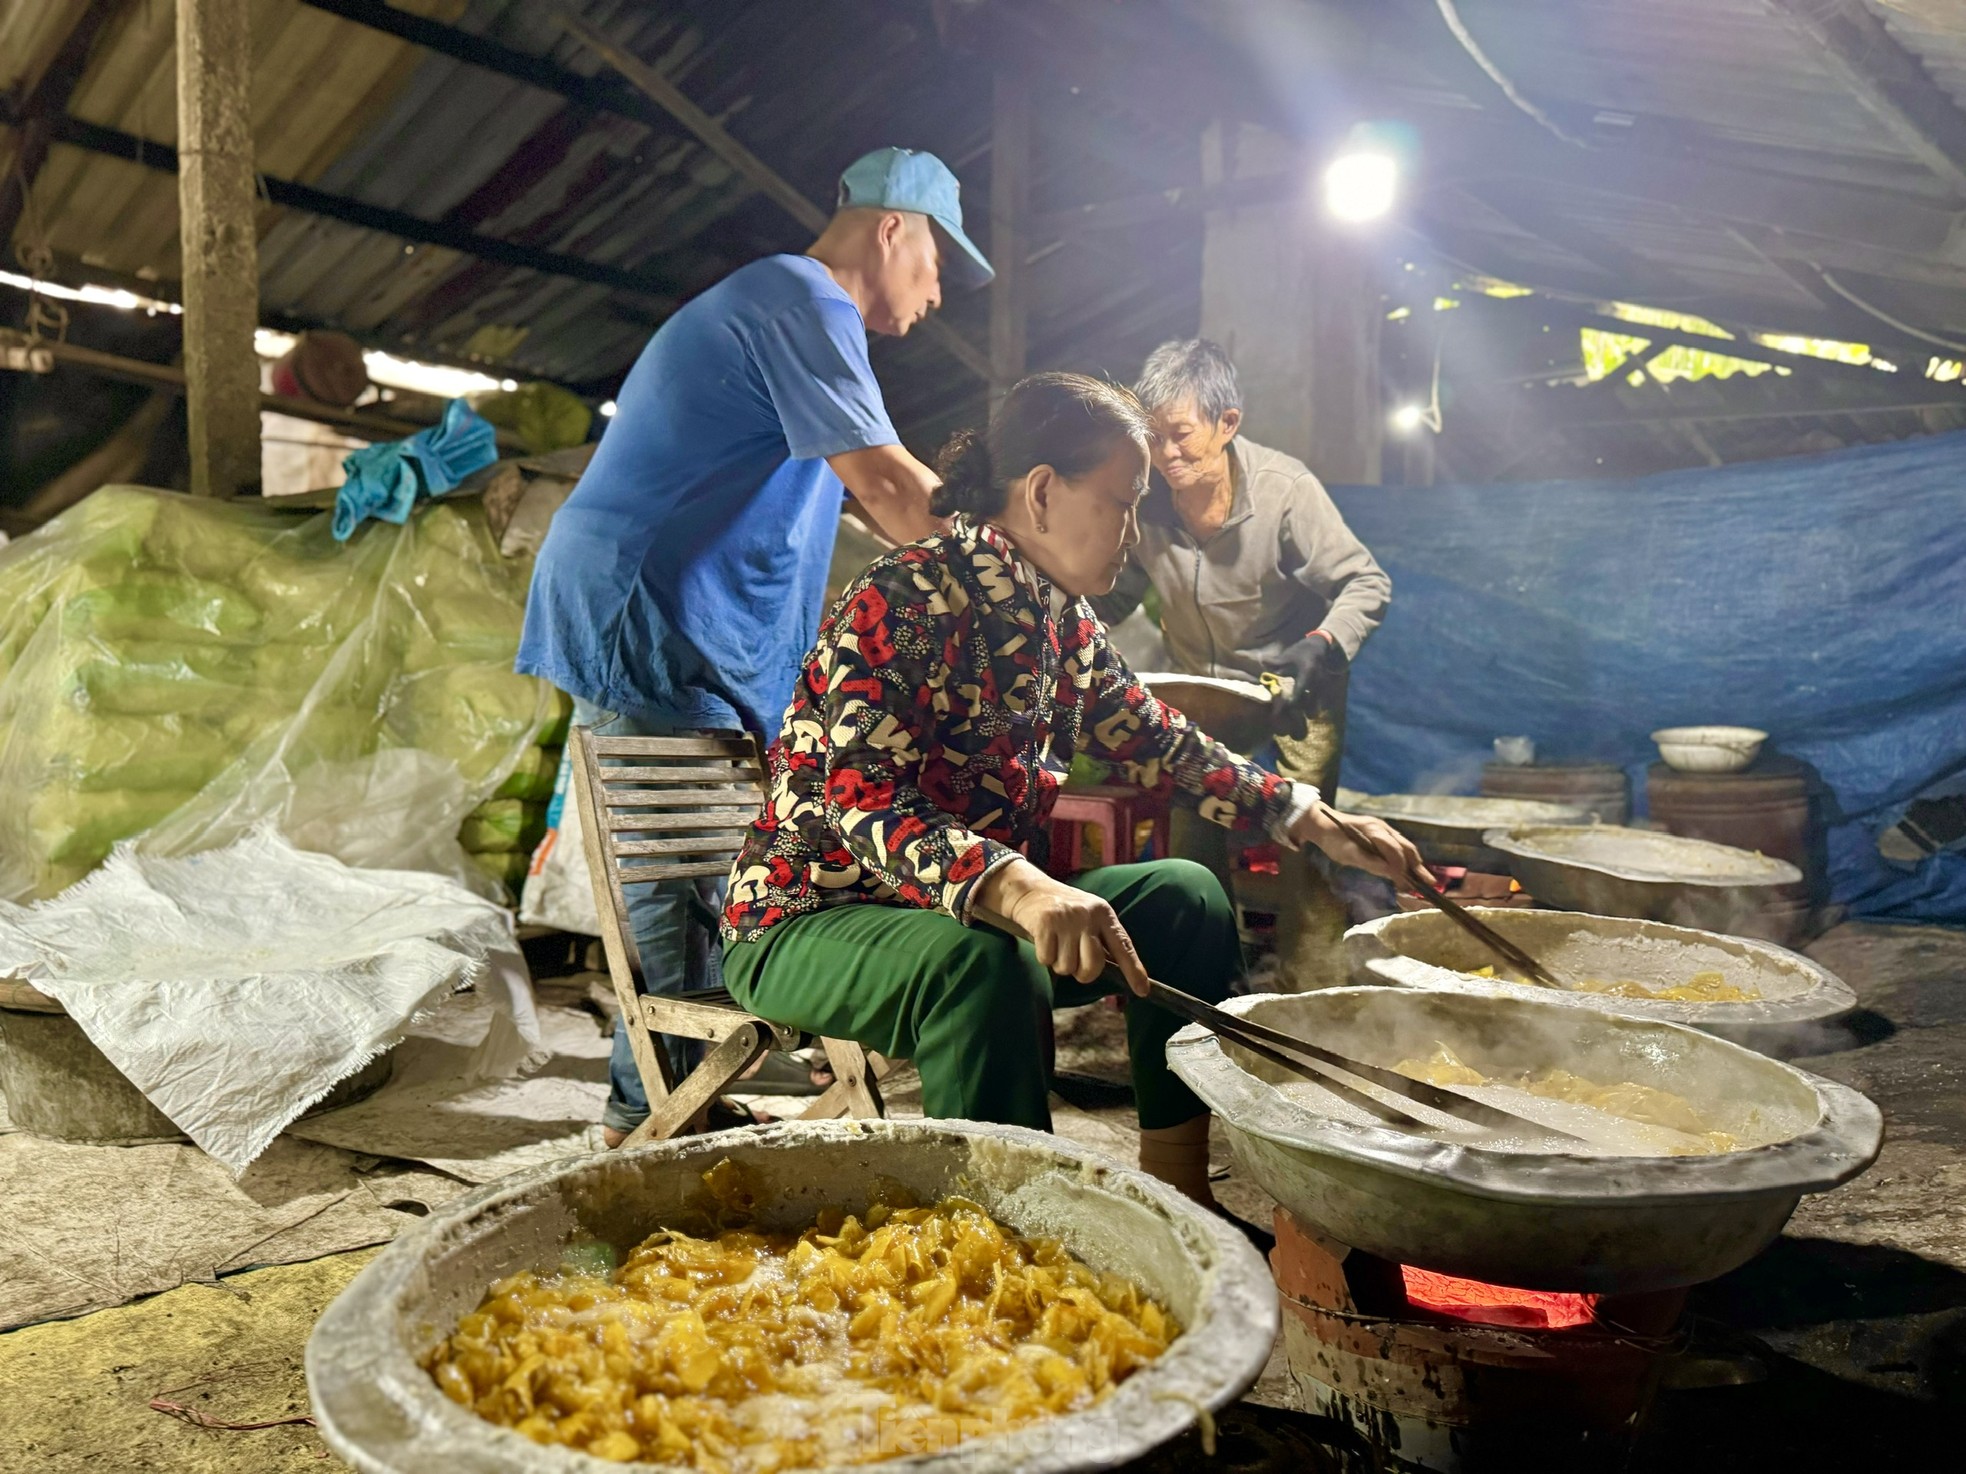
{"x":1282,"y":565}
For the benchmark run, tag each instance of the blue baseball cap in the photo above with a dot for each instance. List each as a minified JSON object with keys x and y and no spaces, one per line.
{"x":920,"y":183}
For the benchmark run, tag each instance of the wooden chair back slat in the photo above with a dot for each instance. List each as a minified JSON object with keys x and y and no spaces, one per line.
{"x":708,"y":844}
{"x":740,"y":748}
{"x":639,"y":874}
{"x":651,"y":773}
{"x":719,"y":820}
{"x":685,"y":798}
{"x":705,"y":792}
{"x":697,"y":796}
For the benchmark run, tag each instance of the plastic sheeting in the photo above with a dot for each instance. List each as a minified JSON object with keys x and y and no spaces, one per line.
{"x":187,"y":670}
{"x":236,"y":988}
{"x":1821,"y":598}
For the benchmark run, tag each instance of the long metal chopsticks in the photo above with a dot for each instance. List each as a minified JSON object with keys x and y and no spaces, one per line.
{"x":1500,"y":945}
{"x":1313,"y":1061}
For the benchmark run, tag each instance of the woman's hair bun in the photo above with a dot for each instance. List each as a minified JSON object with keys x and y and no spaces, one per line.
{"x":968,"y":484}
{"x":1066,"y":421}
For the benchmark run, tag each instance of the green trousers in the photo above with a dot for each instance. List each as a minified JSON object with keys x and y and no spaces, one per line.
{"x":970,"y":1006}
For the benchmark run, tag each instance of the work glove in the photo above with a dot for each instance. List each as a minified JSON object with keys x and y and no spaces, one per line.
{"x":1315,"y":665}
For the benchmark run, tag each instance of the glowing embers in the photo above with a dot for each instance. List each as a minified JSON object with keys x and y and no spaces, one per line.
{"x":1478,"y":1303}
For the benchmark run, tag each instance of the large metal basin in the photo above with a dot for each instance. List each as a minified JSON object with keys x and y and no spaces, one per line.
{"x":1542,"y":1220}
{"x":1609,"y":870}
{"x":1235,"y":713}
{"x":1449,"y":828}
{"x":381,"y":1413}
{"x":1426,"y":949}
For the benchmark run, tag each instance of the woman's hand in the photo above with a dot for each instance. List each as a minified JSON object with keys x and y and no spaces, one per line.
{"x":1365,"y":843}
{"x":1075,"y":933}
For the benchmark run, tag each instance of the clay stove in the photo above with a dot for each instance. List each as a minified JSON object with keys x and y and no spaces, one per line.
{"x":1455,"y":1376}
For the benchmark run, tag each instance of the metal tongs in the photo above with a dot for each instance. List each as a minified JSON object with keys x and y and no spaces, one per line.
{"x":1313,"y":1062}
{"x":1500,"y":945}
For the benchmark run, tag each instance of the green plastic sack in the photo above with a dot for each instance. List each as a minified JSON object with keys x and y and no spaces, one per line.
{"x":502,"y":826}
{"x":91,"y":752}
{"x":184,"y":670}
{"x":80,"y":828}
{"x":559,"y":723}
{"x":151,"y":604}
{"x":533,"y":779}
{"x":476,"y":714}
{"x":509,"y":869}
{"x":544,"y":416}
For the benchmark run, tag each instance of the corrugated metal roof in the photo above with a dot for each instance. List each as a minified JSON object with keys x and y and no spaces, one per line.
{"x":1121,"y":93}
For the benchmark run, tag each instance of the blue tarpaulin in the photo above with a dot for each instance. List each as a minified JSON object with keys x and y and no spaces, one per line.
{"x":1821,"y":598}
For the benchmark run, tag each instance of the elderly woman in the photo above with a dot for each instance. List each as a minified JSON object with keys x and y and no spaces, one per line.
{"x":912,"y":782}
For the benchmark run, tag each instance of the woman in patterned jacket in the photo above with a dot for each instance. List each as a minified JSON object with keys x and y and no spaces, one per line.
{"x":913,"y":780}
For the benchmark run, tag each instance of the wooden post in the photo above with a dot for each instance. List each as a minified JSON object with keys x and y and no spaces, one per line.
{"x":1010,"y":193}
{"x":1294,"y":300}
{"x":218,"y":235}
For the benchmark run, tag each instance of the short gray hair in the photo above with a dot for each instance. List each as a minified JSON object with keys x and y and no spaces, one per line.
{"x":1189,"y":368}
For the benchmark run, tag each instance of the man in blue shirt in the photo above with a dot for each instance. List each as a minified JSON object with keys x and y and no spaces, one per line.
{"x":680,"y":585}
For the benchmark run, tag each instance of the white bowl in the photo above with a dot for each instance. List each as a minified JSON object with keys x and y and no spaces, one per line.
{"x":1709,"y":749}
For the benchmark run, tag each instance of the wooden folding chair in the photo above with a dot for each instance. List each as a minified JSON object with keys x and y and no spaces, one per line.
{"x":688,"y":802}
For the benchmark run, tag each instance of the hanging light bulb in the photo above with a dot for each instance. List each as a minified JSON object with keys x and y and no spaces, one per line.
{"x":1361,"y":184}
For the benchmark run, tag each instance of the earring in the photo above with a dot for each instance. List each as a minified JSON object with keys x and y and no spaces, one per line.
{"x":1041,"y":527}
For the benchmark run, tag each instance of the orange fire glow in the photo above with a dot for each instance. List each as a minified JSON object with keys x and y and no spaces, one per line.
{"x":1496,"y":1305}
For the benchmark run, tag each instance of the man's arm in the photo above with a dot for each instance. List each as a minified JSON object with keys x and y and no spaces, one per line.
{"x":892,"y":487}
{"x":1336,"y":566}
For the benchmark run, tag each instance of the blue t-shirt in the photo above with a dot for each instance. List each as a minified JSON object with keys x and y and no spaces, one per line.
{"x":682,"y":579}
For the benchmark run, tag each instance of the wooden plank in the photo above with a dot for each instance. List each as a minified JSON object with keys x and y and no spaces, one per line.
{"x":46,"y":100}
{"x":1803,"y":407}
{"x":720,"y":1067}
{"x":642,"y":874}
{"x":731,"y":747}
{"x":713,"y":844}
{"x":169,"y":376}
{"x":1887,"y":79}
{"x":667,"y":1014}
{"x":651,"y":774}
{"x":714,"y":819}
{"x":732,"y":795}
{"x":115,"y":143}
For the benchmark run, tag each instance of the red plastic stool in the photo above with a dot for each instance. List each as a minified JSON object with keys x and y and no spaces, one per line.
{"x":1118,"y":812}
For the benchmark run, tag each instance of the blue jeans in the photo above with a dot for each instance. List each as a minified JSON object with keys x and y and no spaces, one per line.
{"x":674,"y":925}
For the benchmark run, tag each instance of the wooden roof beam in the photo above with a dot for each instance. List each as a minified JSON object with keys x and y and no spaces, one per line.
{"x":649,"y":98}
{"x":1485,"y":255}
{"x":114,"y":143}
{"x":1626,"y":268}
{"x":765,"y":179}
{"x":601,"y":93}
{"x":36,"y":111}
{"x":1808,"y":406}
{"x":1887,"y":79}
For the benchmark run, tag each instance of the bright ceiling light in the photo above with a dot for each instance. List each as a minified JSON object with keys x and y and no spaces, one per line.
{"x":607,"y":410}
{"x":1360,"y":184}
{"x":1408,"y":418}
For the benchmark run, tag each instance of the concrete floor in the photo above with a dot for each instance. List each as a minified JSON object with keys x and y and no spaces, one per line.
{"x":1853,"y":1325}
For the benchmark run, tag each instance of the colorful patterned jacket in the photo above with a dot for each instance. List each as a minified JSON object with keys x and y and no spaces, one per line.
{"x":935,"y":718}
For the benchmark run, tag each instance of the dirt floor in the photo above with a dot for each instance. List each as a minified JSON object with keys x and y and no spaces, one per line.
{"x":1842,"y":1347}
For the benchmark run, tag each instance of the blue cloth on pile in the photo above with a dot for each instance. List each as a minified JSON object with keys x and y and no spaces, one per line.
{"x":384,"y":481}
